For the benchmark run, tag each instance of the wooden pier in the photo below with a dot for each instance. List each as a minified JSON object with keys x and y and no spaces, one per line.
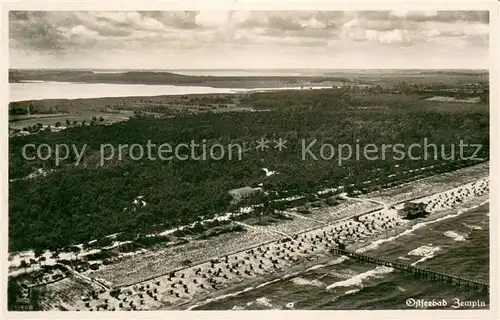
{"x":417,"y":271}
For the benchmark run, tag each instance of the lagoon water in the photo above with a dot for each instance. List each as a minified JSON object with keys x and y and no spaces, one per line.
{"x":38,"y":90}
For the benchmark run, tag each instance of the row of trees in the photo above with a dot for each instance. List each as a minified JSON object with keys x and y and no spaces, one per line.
{"x":84,"y":122}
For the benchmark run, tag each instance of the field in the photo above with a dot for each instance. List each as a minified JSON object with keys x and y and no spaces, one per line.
{"x":23,"y":122}
{"x":112,"y":110}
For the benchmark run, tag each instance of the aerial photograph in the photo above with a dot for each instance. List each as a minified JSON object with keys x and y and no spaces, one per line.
{"x":248,"y":160}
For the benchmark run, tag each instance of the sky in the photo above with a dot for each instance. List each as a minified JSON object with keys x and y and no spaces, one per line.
{"x":249,"y":39}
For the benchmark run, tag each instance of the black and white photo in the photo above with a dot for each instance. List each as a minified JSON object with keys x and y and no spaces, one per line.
{"x":249,"y":160}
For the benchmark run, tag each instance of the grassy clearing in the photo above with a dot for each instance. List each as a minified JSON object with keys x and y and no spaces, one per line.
{"x":74,"y":119}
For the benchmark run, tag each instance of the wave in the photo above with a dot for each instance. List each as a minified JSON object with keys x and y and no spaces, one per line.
{"x":285,"y":277}
{"x":344,"y":274}
{"x":357,"y":280}
{"x":316,"y":267}
{"x":472,"y":227}
{"x":426,"y":252}
{"x":351,"y":280}
{"x":353,"y":291}
{"x":263,"y":301}
{"x":272,"y":281}
{"x":222,"y":297}
{"x":237,"y":308}
{"x":304,"y":282}
{"x":454,"y":235}
{"x":377,"y":243}
{"x":479,"y":205}
{"x":338,"y":261}
{"x":291,"y":305}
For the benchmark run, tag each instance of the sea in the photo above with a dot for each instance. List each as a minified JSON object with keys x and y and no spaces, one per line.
{"x":456,"y":245}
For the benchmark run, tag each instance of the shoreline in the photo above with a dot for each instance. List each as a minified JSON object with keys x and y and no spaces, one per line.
{"x":282,"y":258}
{"x":198,"y":89}
{"x":326,"y":259}
{"x":294,"y":270}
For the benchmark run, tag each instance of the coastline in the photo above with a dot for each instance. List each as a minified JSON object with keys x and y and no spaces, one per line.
{"x":328,"y":259}
{"x":282,"y":258}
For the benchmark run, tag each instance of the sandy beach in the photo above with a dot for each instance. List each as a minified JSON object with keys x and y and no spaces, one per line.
{"x":227,"y":274}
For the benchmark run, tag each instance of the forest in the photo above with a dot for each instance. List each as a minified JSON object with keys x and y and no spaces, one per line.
{"x":75,"y":204}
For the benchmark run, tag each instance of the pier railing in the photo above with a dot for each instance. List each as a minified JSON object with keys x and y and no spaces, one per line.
{"x":416,"y":271}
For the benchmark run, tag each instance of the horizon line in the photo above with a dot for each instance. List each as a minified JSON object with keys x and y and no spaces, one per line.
{"x":337,"y":69}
